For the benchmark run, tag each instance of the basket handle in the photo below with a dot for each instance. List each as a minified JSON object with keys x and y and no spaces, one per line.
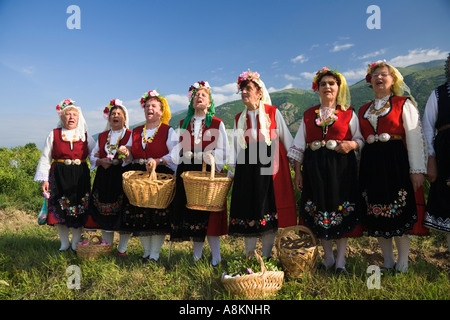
{"x":258,"y":257}
{"x":91,"y":238}
{"x":213,"y":165}
{"x":295,"y":228}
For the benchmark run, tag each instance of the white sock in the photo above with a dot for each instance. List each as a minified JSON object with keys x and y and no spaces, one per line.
{"x":250,"y":244}
{"x":123,"y":242}
{"x":76,"y":236}
{"x":341,"y":245}
{"x":328,"y":257}
{"x":214,"y":244}
{"x":63,"y":233}
{"x":268,"y":240}
{"x":146,"y":244}
{"x":156,"y":244}
{"x":402,"y":244}
{"x":108,"y":236}
{"x":197,"y":247}
{"x":388,"y":251}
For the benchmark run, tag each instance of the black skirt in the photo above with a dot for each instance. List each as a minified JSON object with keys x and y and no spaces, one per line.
{"x":388,"y":200}
{"x":438,"y":205}
{"x":70,"y":192}
{"x":253,"y":210}
{"x":108,"y":198}
{"x":145,"y":221}
{"x":187,"y":224}
{"x":329,"y":204}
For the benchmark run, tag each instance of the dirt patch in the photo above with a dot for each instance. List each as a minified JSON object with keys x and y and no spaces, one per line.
{"x":15,"y":220}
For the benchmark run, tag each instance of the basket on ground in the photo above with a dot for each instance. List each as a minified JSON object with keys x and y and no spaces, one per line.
{"x":91,"y":249}
{"x":297,"y":249}
{"x":255,"y":285}
{"x":206,"y":191}
{"x":154,"y":190}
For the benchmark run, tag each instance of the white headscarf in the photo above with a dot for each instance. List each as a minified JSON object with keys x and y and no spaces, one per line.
{"x":117,"y":103}
{"x":81,"y":128}
{"x":263,"y":122}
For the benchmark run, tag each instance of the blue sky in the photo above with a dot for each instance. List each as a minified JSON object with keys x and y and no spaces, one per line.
{"x":125,"y":48}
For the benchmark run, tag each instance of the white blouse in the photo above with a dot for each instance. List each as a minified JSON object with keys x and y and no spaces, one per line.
{"x":45,"y":161}
{"x":429,"y":121}
{"x":282,"y":132}
{"x":221,"y":152}
{"x":115,"y":137}
{"x":414,"y":135}
{"x":298,"y":147}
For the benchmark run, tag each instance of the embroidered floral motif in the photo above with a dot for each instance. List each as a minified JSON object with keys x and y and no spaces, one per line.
{"x":108,"y":208}
{"x":73,"y":211}
{"x":387,"y":210}
{"x":254,"y":223}
{"x":329,"y":219}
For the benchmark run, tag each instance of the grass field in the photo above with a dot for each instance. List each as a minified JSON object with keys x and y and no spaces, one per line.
{"x":31,"y":268}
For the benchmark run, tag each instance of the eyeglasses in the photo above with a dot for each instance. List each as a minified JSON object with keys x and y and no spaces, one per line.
{"x":324,"y":83}
{"x":383,"y":75}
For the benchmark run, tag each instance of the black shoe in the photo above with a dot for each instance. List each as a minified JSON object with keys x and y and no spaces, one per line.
{"x":340,"y":272}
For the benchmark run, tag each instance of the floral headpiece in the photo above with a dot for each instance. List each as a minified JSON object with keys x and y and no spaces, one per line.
{"x":315,"y":86}
{"x":112,"y":103}
{"x":145,"y":96}
{"x":63,"y":104}
{"x":343,"y":97}
{"x":247,"y":75}
{"x":211,"y":110}
{"x":166,"y":114}
{"x":198,"y":85}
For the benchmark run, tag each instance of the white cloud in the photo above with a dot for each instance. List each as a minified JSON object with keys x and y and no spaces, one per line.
{"x":417,"y":56}
{"x":227,"y":88}
{"x":372,"y":54}
{"x":291,"y":78}
{"x":272,"y":89}
{"x":300,"y":58}
{"x":308,"y":75}
{"x":341,"y":47}
{"x":355,"y":74}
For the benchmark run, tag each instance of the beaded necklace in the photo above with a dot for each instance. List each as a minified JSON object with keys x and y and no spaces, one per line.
{"x":149,"y":140}
{"x":110,"y":147}
{"x":198,"y":137}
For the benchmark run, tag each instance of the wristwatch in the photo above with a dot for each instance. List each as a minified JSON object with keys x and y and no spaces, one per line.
{"x":161,"y":162}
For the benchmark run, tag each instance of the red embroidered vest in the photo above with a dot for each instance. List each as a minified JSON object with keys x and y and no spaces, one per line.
{"x":339,"y":130}
{"x":102,"y":142}
{"x":155,"y":149}
{"x":61,"y":149}
{"x":391,"y":123}
{"x":209,"y":136}
{"x":270,"y":112}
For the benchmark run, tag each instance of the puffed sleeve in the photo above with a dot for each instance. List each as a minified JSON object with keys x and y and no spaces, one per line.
{"x":297,"y":148}
{"x":45,"y":161}
{"x":429,"y":121}
{"x":171,"y":143}
{"x":415,"y":139}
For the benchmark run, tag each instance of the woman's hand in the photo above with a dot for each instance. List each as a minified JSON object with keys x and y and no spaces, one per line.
{"x":345,"y":146}
{"x":123,"y":151}
{"x":104,"y":162}
{"x":45,"y":186}
{"x":298,"y":179}
{"x":417,"y":180}
{"x":151,"y":163}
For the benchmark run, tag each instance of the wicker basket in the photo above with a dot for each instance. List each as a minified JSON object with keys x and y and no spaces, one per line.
{"x":297,"y":249}
{"x":256,"y":285}
{"x":154,"y":190}
{"x":206,"y":191}
{"x":92,"y":249}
